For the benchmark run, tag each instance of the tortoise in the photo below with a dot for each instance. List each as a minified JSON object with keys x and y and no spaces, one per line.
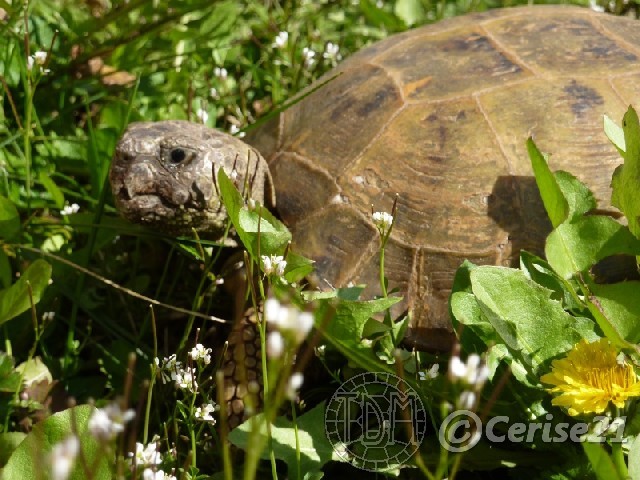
{"x":439,"y":117}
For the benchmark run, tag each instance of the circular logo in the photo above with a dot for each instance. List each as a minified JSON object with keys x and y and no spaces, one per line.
{"x":375,"y":421}
{"x":460,"y":431}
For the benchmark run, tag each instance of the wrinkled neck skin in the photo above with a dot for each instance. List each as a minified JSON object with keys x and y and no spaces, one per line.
{"x":164,"y":175}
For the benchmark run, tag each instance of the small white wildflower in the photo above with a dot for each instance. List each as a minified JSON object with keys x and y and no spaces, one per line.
{"x":281,"y":40}
{"x":150,"y":474}
{"x":593,"y":5}
{"x":146,"y":455}
{"x":202,"y":115}
{"x":473,"y":373}
{"x":273,"y":311}
{"x":235,"y":130}
{"x":273,"y":264}
{"x":39,"y":58}
{"x":467,"y":400}
{"x":295,"y":382}
{"x":48,"y":316}
{"x":214,"y":93}
{"x":429,"y":374}
{"x":204,"y":412}
{"x":185,"y":379}
{"x":63,"y":456}
{"x":304,"y":325}
{"x":382,"y":221}
{"x":332,"y":52}
{"x":288,"y":319}
{"x":107,"y":422}
{"x":220,"y":72}
{"x":275,"y":345}
{"x":309,"y":57}
{"x":70,"y":209}
{"x":252,"y":204}
{"x":199,"y":352}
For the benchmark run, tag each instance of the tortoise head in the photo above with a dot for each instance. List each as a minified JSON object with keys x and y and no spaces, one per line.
{"x":164,"y":174}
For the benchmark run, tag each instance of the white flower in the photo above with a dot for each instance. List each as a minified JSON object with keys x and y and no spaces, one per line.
{"x":200,"y":353}
{"x":235,"y":130}
{"x":39,"y":58}
{"x":107,"y":422}
{"x":331,"y":52}
{"x":281,"y":40}
{"x":70,"y":209}
{"x":149,"y":474}
{"x":295,"y":382}
{"x":273,"y":264}
{"x":467,"y":400}
{"x":204,"y":412}
{"x":429,"y":374}
{"x":221,"y":73}
{"x":309,"y":57}
{"x":202,"y":115}
{"x":186,"y":379}
{"x":275,"y":345}
{"x":288,"y":319}
{"x":146,"y":455}
{"x":48,"y":316}
{"x":214,"y":93}
{"x":382,"y":221}
{"x":473,"y":373}
{"x":63,"y":456}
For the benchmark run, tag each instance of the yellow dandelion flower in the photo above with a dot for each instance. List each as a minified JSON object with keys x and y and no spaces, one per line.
{"x":590,"y":377}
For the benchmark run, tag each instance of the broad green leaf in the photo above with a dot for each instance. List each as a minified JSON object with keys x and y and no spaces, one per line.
{"x":27,"y":460}
{"x":273,"y":236}
{"x":579,"y":198}
{"x":523,"y":314}
{"x":315,"y":448}
{"x":554,"y":202}
{"x":625,"y":183}
{"x":15,"y":299}
{"x":33,"y":371}
{"x":576,"y":247}
{"x":351,"y":317}
{"x":9,"y":441}
{"x":615,"y":134}
{"x":620,"y":303}
{"x":9,"y":378}
{"x":601,"y":462}
{"x":298,"y":267}
{"x":9,"y":219}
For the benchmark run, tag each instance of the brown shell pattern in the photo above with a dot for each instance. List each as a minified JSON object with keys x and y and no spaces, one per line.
{"x":440,"y":116}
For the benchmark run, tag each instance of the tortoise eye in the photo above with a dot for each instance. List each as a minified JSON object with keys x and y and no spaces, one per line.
{"x":177,"y":155}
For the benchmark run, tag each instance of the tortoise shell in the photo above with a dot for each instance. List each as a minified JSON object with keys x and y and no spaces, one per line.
{"x":440,"y":116}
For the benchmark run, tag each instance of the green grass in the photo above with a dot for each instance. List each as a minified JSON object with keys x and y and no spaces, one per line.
{"x":110,"y":63}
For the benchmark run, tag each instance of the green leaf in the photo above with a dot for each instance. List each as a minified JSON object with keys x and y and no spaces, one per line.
{"x":27,"y":460}
{"x":9,"y":219}
{"x":56,"y":194}
{"x":620,"y":303}
{"x":33,"y":371}
{"x":298,"y":267}
{"x":625,"y":183}
{"x":315,"y":448}
{"x":615,"y":134}
{"x":410,"y":11}
{"x":523,"y":314}
{"x":9,"y":379}
{"x":273,"y":236}
{"x":601,"y":462}
{"x":6,"y":273}
{"x":578,"y":196}
{"x":576,"y":247}
{"x":634,"y":459}
{"x":15,"y":299}
{"x":554,"y":202}
{"x":9,"y":441}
